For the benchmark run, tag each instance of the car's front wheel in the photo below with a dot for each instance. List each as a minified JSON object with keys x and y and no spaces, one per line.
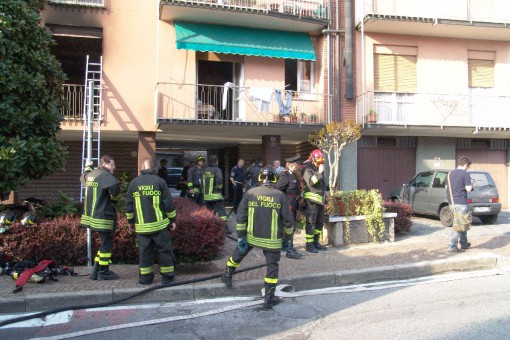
{"x":488,"y":219}
{"x":446,"y":216}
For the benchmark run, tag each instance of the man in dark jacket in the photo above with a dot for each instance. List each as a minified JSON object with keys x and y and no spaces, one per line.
{"x":237,"y":178}
{"x":289,"y":184}
{"x":183,"y":180}
{"x":252,"y":173}
{"x":313,"y":193}
{"x":150,"y":208}
{"x":195,"y":177}
{"x":213,"y":184}
{"x":263,"y":220}
{"x":101,"y":189}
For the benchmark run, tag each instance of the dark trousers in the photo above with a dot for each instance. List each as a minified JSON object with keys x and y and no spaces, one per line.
{"x":314,"y":220}
{"x":104,"y":254}
{"x":198,"y":198}
{"x":238,"y":195}
{"x":272,"y":258}
{"x":162,"y":242}
{"x":218,"y":207}
{"x":294,"y":206}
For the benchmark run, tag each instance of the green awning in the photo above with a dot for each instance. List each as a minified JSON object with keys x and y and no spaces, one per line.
{"x":244,"y":41}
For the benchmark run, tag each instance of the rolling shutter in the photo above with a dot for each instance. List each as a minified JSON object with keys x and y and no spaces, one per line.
{"x":395,"y":73}
{"x":481,"y":73}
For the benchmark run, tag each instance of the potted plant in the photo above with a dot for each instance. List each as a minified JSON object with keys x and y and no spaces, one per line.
{"x":371,"y":116}
{"x":302,"y":115}
{"x":313,"y":118}
{"x":293,"y":115}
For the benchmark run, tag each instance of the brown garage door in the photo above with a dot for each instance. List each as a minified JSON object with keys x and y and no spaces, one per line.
{"x":385,"y":168}
{"x":494,"y":162}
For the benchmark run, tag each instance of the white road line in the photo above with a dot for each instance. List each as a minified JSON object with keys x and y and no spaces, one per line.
{"x":52,"y":319}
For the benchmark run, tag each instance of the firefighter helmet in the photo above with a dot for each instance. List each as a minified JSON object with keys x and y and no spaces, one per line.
{"x":7,"y":217}
{"x":200,"y":158}
{"x":267,"y":175}
{"x":316,"y":157}
{"x":29,"y":218}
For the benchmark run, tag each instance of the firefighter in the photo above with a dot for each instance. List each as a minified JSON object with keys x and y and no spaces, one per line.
{"x":314,"y":186}
{"x":212,"y":184}
{"x":150,"y":208}
{"x":101,"y":190}
{"x":263,"y":220}
{"x":289,"y":184}
{"x":195,"y":175}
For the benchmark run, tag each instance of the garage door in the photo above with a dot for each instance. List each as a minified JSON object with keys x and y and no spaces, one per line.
{"x":494,"y":162}
{"x":385,"y":168}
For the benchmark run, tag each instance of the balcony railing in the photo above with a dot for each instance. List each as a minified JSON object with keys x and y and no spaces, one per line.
{"x":488,"y":11}
{"x":88,"y":3}
{"x":230,"y":103}
{"x":73,"y":95}
{"x":314,"y":9}
{"x":441,"y":110}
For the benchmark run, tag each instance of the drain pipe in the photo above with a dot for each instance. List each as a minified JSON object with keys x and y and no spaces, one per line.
{"x":349,"y":83}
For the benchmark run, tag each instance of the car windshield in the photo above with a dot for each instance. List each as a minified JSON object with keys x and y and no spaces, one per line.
{"x":481,"y":180}
{"x":422,"y":179}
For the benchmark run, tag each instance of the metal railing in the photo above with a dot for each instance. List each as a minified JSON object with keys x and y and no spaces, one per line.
{"x":88,"y":3}
{"x":230,"y":103}
{"x":315,"y":9}
{"x":489,"y":11}
{"x":425,"y":109}
{"x":73,"y":96}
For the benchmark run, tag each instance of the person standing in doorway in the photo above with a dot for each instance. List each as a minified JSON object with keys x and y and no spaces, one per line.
{"x":195,"y":175}
{"x":101,"y":190}
{"x":183,"y":180}
{"x":237,"y":178}
{"x":458,"y":184}
{"x":163,"y":171}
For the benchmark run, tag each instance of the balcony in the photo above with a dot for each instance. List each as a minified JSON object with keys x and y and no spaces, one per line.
{"x":288,"y":15}
{"x":472,"y":19}
{"x":478,"y":112}
{"x":230,"y":104}
{"x":85,"y":3}
{"x":73,"y":96}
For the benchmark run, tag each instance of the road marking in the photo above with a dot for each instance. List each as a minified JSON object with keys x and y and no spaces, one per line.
{"x":52,"y":319}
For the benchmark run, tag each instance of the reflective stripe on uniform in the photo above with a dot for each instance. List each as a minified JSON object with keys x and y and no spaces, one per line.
{"x":264,"y":242}
{"x":274,"y":224}
{"x":231,"y":263}
{"x":130,"y":215}
{"x":241,"y":226}
{"x":165,"y":270}
{"x":251,"y":213}
{"x":157,"y":211}
{"x":146,"y":270}
{"x":147,"y":228}
{"x":270,"y":280}
{"x":139,"y":212}
{"x":309,"y":238}
{"x":288,"y":231}
{"x":313,"y":196}
{"x":171,"y":214}
{"x":94,"y":199}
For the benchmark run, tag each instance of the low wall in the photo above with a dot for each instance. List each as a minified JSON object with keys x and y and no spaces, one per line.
{"x":334,"y":230}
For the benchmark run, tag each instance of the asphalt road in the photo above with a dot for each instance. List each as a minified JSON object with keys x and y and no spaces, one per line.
{"x":469,"y":306}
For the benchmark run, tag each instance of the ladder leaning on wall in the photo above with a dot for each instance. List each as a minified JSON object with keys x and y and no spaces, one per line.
{"x":92,"y":118}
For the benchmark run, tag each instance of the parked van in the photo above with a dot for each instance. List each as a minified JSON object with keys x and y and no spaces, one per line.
{"x":426,"y":193}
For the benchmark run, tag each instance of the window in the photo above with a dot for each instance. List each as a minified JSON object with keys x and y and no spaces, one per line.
{"x":91,"y":3}
{"x":394,"y":73}
{"x":481,"y":73}
{"x":299,"y":75}
{"x":440,"y":180}
{"x":386,"y":142}
{"x":422,"y":180}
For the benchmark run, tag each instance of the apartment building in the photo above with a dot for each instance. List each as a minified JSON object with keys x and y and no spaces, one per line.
{"x":432,"y":85}
{"x":236,"y":78}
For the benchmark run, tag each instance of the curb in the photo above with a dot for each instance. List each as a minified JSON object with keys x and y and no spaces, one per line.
{"x":38,"y":302}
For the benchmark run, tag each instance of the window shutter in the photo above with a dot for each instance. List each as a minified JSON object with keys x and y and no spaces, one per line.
{"x":481,"y":73}
{"x":395,"y":73}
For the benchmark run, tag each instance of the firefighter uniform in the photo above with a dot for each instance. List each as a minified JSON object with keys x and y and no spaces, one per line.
{"x":313,"y":193}
{"x":150,"y":208}
{"x":101,"y":189}
{"x":289,"y":184}
{"x":264,"y":219}
{"x":212,"y":184}
{"x":195,"y":177}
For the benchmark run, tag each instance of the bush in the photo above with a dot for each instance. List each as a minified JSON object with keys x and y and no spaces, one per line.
{"x":199,"y":234}
{"x":404,"y":212}
{"x":63,"y":206}
{"x":198,"y":237}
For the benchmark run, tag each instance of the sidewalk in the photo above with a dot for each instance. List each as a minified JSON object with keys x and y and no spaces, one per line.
{"x":419,"y":252}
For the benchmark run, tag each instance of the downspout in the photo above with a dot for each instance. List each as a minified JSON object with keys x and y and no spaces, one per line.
{"x":330,"y":69}
{"x":349,"y":88}
{"x":339,"y":63}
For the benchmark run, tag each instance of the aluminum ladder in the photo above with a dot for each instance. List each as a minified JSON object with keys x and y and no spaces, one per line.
{"x":92,"y":117}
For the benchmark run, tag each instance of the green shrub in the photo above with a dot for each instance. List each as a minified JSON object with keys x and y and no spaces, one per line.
{"x":63,"y":206}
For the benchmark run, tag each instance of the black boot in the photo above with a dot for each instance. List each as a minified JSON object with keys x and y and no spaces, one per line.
{"x":145,"y":279}
{"x":316,"y":243}
{"x":311,"y":248}
{"x":106,"y":274}
{"x":226,"y":278}
{"x":293,"y":254}
{"x":167,"y":278}
{"x":269,"y":299}
{"x":95,"y":271}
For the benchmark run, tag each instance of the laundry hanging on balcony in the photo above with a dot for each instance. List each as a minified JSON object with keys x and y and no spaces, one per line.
{"x":286,"y":107}
{"x":244,"y":41}
{"x":263,"y":96}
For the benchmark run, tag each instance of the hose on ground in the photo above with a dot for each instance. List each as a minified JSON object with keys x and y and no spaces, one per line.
{"x":104,"y":304}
